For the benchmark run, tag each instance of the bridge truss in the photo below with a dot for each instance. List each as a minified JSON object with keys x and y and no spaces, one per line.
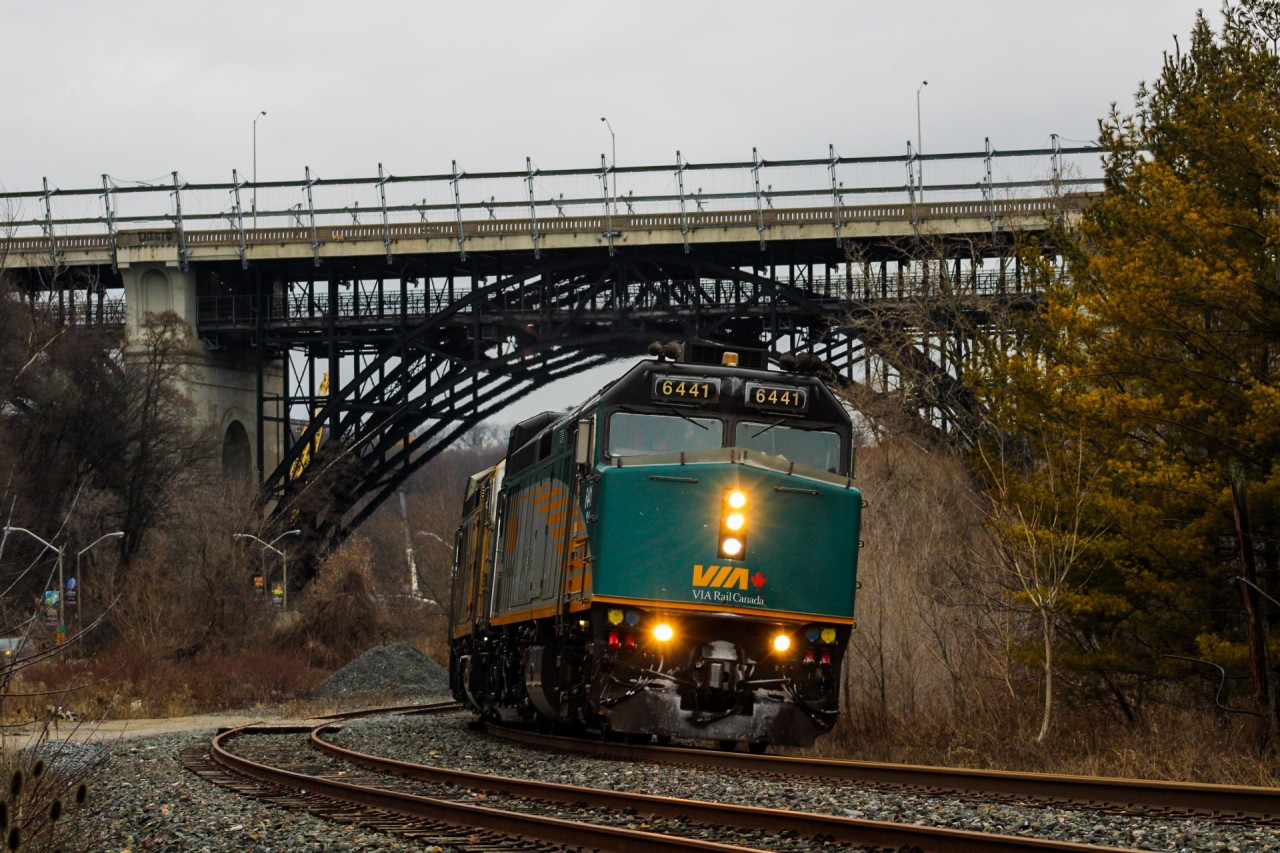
{"x":416,"y":360}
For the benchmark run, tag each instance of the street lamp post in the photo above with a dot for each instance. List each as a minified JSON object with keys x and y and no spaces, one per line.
{"x":62,"y":625}
{"x":255,"y":166}
{"x":284,"y":558}
{"x":439,"y":539}
{"x":80,"y":577}
{"x":919,"y":143}
{"x":613,"y":163}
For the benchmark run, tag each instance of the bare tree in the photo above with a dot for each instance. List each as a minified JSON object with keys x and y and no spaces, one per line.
{"x":160,"y":449}
{"x":1041,"y":526}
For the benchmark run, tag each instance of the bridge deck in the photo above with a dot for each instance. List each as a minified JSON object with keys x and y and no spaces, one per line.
{"x":884,"y":222}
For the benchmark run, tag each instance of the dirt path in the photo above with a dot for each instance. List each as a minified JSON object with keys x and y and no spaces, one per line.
{"x":112,"y":730}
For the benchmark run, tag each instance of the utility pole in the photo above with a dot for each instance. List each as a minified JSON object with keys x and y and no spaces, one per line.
{"x":408,"y":547}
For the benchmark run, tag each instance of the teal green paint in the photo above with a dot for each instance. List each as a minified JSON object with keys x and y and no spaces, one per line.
{"x":802,"y":549}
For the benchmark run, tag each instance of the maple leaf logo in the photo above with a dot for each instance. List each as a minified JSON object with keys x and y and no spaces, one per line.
{"x":758,"y":580}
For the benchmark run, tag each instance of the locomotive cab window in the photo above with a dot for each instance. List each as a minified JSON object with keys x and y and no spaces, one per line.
{"x":637,"y":434}
{"x":816,"y":448}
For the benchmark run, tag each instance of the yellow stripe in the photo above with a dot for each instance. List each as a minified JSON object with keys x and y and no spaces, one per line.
{"x":788,"y":615}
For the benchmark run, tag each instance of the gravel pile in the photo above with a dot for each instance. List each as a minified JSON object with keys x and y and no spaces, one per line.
{"x":395,"y":670}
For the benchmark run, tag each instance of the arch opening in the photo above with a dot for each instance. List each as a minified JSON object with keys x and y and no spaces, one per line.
{"x":235,"y":452}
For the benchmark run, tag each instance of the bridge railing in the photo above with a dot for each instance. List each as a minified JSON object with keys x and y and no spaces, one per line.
{"x":535,"y":202}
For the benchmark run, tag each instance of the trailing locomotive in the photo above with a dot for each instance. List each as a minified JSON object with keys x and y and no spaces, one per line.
{"x":675,"y":557}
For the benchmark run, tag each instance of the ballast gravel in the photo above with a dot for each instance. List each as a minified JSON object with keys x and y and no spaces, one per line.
{"x":145,"y":800}
{"x":448,"y":742}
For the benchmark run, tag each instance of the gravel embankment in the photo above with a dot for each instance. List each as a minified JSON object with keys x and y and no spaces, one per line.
{"x":143,"y":800}
{"x":446,"y":741}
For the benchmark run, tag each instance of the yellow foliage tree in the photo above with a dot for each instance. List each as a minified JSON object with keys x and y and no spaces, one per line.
{"x":1157,"y":360}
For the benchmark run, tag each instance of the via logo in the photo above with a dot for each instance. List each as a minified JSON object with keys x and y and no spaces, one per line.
{"x":721,"y":577}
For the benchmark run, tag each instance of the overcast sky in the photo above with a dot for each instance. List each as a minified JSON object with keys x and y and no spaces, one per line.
{"x":139,"y":89}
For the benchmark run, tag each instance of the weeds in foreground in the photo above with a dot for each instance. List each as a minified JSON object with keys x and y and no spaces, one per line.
{"x":42,"y":807}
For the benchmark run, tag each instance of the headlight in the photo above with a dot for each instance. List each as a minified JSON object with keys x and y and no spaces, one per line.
{"x":781,"y":643}
{"x":663,"y":632}
{"x":733,"y":524}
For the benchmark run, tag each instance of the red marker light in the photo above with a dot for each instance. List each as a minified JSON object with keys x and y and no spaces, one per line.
{"x":825,"y":660}
{"x":613,"y":640}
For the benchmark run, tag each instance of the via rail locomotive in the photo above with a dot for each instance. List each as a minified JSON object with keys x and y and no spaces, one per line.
{"x":676,"y":557}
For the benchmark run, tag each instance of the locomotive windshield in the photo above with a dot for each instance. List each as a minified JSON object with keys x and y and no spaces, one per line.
{"x":815,"y":448}
{"x":635,"y":434}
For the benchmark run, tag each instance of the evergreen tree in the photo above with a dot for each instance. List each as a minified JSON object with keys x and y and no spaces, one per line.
{"x":1157,"y":357}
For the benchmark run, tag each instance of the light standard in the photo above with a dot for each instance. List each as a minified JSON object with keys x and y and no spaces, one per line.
{"x":919,"y":143}
{"x":284,"y":559}
{"x":80,"y":578}
{"x":255,"y":166}
{"x":448,"y":547}
{"x":613,"y":163}
{"x":62,"y":625}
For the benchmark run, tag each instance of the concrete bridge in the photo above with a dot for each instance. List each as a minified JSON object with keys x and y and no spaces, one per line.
{"x":389,"y":328}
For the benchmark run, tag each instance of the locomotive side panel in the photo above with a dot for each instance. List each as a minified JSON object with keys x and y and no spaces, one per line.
{"x":473,"y":556}
{"x":543,"y":527}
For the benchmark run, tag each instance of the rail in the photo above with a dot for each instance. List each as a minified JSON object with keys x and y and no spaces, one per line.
{"x":1199,"y":798}
{"x":831,"y":828}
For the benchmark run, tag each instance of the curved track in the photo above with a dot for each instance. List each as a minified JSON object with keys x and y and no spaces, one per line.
{"x":418,"y":815}
{"x":452,"y":822}
{"x":1256,"y":804}
{"x":827,"y":828}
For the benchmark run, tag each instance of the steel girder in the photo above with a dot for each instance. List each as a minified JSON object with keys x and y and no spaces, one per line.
{"x":420,"y":387}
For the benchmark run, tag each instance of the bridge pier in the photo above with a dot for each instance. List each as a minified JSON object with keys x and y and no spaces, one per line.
{"x":223,"y":385}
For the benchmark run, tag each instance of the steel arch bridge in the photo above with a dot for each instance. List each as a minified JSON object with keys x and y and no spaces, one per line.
{"x":375,"y":344}
{"x":417,"y":361}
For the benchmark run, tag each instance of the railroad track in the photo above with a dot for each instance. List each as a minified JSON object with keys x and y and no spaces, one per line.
{"x":1219,"y":802}
{"x":392,"y":800}
{"x":396,"y":710}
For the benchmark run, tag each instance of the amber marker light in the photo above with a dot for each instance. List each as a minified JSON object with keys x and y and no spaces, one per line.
{"x":781,"y":643}
{"x":663,"y":632}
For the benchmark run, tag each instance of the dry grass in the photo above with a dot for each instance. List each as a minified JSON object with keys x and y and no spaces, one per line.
{"x":1177,"y":743}
{"x":930,"y":678}
{"x":124,"y":684}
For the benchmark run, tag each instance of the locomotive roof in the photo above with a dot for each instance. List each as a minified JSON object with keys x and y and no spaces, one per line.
{"x":633,"y":389}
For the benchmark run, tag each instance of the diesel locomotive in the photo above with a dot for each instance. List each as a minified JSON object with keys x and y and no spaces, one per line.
{"x":675,"y":557}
